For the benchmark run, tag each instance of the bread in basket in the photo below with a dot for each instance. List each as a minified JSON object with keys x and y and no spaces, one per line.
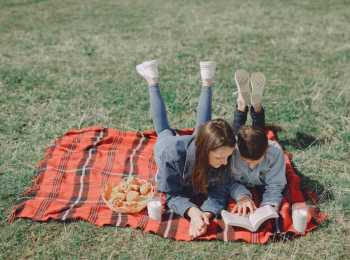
{"x":129,"y":195}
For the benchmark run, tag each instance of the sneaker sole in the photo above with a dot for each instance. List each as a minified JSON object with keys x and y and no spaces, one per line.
{"x":207,"y":69}
{"x":242,"y":83}
{"x":257,"y":81}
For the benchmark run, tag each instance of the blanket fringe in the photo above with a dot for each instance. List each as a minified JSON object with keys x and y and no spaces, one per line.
{"x":11,"y":218}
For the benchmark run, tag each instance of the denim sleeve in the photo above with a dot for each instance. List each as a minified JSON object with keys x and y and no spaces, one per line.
{"x":238,"y":191}
{"x":275,"y":181}
{"x":169,"y":181}
{"x":217,"y":199}
{"x":179,"y":204}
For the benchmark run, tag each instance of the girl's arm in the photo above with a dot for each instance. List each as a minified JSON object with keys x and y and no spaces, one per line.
{"x":168,"y":181}
{"x":217,"y":199}
{"x":179,"y":204}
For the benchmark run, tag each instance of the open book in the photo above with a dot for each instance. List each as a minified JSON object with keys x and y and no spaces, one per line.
{"x":251,"y":222}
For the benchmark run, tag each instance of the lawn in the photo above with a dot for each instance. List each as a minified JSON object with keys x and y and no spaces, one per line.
{"x":71,"y":64}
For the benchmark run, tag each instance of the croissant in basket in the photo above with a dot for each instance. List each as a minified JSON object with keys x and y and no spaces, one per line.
{"x":128,"y":196}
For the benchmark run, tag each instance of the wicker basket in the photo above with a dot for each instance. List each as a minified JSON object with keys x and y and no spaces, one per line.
{"x":136,"y":206}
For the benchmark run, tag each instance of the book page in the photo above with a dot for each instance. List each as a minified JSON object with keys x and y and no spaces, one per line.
{"x":236,"y":220}
{"x":262,"y":214}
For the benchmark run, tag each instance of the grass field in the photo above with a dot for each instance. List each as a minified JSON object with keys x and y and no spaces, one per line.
{"x":71,"y":64}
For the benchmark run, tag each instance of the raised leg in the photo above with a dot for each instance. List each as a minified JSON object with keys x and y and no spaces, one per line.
{"x":149,"y":71}
{"x":207,"y":70}
{"x":158,"y":109}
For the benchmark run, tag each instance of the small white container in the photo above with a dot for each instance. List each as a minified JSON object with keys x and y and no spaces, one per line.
{"x":299,"y":217}
{"x":155,"y":208}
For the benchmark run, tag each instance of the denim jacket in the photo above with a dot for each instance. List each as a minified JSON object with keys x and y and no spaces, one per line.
{"x":270,"y":172}
{"x":175,"y":157}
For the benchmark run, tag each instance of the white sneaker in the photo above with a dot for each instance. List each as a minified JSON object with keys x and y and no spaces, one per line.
{"x":257,"y":81}
{"x":148,"y":69}
{"x":242,"y":83}
{"x":207,"y":69}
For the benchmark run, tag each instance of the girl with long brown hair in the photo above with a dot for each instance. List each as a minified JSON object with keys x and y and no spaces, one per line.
{"x":193,"y":164}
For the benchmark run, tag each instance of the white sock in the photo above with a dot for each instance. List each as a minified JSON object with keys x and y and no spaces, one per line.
{"x":257,"y":81}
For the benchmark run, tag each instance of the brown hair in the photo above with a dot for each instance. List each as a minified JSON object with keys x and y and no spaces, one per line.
{"x":210,"y":136}
{"x":252,"y":142}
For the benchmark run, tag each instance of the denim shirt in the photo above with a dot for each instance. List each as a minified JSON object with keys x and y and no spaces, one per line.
{"x":270,"y":172}
{"x":175,"y":157}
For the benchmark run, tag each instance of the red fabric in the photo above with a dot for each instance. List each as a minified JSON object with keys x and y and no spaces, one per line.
{"x":78,"y":165}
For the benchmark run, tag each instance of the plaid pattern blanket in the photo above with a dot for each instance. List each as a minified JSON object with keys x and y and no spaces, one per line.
{"x":79,"y":164}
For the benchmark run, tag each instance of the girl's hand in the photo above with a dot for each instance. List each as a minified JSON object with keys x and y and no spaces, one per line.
{"x":243,"y":205}
{"x":199,"y":222}
{"x":206,"y":217}
{"x":194,"y":232}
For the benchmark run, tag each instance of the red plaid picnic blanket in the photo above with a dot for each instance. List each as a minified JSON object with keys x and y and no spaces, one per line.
{"x":77,"y":166}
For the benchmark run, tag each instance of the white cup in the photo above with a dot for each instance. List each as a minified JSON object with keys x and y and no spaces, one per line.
{"x":155,"y":208}
{"x":299,"y":217}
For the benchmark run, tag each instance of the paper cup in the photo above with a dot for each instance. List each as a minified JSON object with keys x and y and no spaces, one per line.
{"x":299,"y":217}
{"x":155,"y":208}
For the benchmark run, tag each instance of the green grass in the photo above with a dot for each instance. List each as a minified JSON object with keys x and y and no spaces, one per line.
{"x":70,"y":64}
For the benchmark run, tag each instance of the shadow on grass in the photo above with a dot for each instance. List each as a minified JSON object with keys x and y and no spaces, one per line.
{"x":302,"y":141}
{"x":290,"y":236}
{"x":324,"y":194}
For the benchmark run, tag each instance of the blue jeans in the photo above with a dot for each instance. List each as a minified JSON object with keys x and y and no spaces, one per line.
{"x":159,"y":114}
{"x":240,"y":118}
